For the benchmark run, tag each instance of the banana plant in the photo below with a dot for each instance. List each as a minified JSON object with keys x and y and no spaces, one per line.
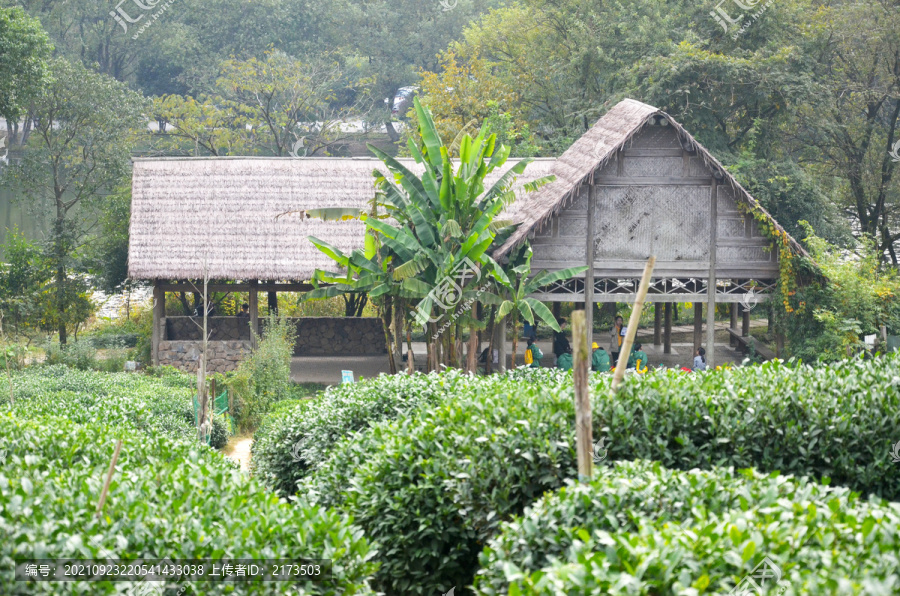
{"x":438,"y":221}
{"x":515,"y":284}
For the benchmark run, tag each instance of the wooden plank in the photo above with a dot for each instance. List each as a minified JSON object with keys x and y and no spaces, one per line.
{"x":159,"y":314}
{"x":711,"y":285}
{"x":584,"y":439}
{"x":633,"y":322}
{"x":589,"y":259}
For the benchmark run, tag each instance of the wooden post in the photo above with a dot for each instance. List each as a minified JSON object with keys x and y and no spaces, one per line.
{"x":212,"y":391}
{"x":584,"y":440}
{"x":254,"y":313}
{"x":667,"y":335}
{"x":734,"y":323}
{"x":779,"y":344}
{"x":745,"y":322}
{"x":698,"y":324}
{"x":711,"y":282}
{"x":557,"y":310}
{"x":657,"y":324}
{"x":633,"y":323}
{"x":159,"y":313}
{"x":589,"y":261}
{"x":109,"y":474}
{"x":273,"y":302}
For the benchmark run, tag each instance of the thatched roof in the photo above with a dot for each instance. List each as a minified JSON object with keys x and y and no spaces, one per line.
{"x":218,"y":215}
{"x":592,"y":151}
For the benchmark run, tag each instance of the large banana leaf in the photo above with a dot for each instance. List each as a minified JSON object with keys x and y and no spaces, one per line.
{"x":543,"y":278}
{"x":543,"y":312}
{"x":430,"y":137}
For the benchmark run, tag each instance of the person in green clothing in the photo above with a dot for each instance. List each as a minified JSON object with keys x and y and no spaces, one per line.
{"x":637,"y":358}
{"x":536,"y":354}
{"x":599,"y":359}
{"x":564,"y":361}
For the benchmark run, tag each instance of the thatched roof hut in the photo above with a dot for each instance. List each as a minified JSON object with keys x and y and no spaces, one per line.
{"x":219,"y":215}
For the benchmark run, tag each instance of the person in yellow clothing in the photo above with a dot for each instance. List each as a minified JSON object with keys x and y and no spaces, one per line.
{"x":616,"y":337}
{"x":599,"y":359}
{"x":638,"y":358}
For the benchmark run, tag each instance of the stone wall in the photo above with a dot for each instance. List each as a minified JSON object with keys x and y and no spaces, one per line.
{"x":339,"y":336}
{"x":221,"y":328}
{"x":184,"y":355}
{"x":316,"y":336}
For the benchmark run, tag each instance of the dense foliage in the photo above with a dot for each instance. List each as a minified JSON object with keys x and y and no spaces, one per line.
{"x":293,"y":442}
{"x":264,"y":378}
{"x":430,"y":487}
{"x":169,"y":498}
{"x":644,"y":529}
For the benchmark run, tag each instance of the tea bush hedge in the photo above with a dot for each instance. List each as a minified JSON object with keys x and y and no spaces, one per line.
{"x":698,"y":529}
{"x":289,"y":446}
{"x":431,"y":489}
{"x":643,"y":529}
{"x":428,"y":487}
{"x":140,"y":402}
{"x":169,"y":499}
{"x":837,"y":421}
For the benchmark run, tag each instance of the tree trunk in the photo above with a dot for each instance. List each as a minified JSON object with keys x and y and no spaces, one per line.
{"x":398,"y":333}
{"x":410,"y":359}
{"x":489,"y":361}
{"x":392,"y":133}
{"x":515,"y":342}
{"x":386,"y":323}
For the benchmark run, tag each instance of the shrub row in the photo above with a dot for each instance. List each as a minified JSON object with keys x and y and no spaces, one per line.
{"x":643,"y":529}
{"x":431,"y":489}
{"x":149,"y":404}
{"x":169,"y":499}
{"x":432,"y":486}
{"x":837,"y":421}
{"x":291,"y":444}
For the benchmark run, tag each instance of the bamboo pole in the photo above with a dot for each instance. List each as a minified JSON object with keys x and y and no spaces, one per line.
{"x":109,"y":474}
{"x":583,"y":428}
{"x":633,"y":323}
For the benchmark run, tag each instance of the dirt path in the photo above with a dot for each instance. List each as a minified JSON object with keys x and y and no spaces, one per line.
{"x":238,"y":449}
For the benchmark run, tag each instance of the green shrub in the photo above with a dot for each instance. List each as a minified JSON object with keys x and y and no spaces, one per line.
{"x":288,"y":449}
{"x":129,"y":400}
{"x":218,"y":438}
{"x":463,"y":465}
{"x":834,"y":421}
{"x":76,"y":354}
{"x":430,"y":489}
{"x":169,"y":498}
{"x":265,"y":377}
{"x":643,"y":529}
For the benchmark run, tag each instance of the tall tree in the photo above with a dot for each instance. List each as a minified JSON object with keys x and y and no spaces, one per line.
{"x":87,"y":124}
{"x":24,"y":51}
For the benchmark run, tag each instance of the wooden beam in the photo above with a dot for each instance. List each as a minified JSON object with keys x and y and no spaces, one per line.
{"x":657,"y":324}
{"x":254,"y":314}
{"x":159,"y":315}
{"x":236,"y":287}
{"x":711,"y":285}
{"x":584,"y":440}
{"x":633,"y":322}
{"x":667,"y":334}
{"x":589,"y":261}
{"x":272,"y":298}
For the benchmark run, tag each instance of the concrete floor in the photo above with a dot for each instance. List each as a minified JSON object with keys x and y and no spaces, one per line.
{"x":327,"y":369}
